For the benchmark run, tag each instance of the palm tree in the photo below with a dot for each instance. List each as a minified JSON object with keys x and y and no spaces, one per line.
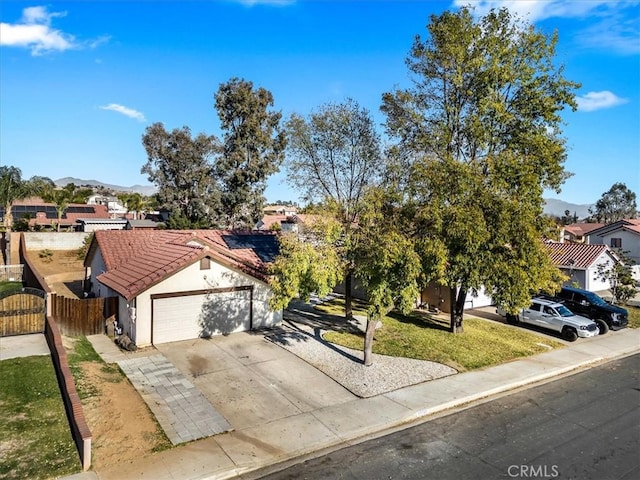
{"x":62,"y":197}
{"x":13,"y":188}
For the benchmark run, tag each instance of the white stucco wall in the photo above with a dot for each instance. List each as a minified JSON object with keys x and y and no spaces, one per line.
{"x":630,"y":242}
{"x":192,"y":278}
{"x":137,"y":323}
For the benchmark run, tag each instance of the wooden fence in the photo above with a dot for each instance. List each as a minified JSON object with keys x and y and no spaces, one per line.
{"x":82,"y":316}
{"x":22,"y":312}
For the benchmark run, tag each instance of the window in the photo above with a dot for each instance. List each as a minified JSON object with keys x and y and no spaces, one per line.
{"x":205,"y":263}
{"x":616,"y":243}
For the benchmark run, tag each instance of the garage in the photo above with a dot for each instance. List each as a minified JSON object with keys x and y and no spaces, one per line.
{"x":187,"y":315}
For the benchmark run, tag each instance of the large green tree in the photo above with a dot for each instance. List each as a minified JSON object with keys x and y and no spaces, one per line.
{"x":208,"y":183}
{"x":479,"y":139}
{"x":181,"y":166}
{"x":333,"y":158}
{"x":253,"y":147}
{"x":615,"y":204}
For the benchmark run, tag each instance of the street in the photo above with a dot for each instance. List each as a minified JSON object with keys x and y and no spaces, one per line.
{"x":584,"y":426}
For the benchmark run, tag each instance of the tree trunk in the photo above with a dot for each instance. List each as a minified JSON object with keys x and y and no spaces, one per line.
{"x":368,"y":340}
{"x":457,"y":308}
{"x":348,"y":300}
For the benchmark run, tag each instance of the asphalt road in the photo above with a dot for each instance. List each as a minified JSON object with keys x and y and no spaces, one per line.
{"x":584,"y":426}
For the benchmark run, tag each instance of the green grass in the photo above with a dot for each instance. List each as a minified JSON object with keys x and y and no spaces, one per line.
{"x":34,"y":431}
{"x":634,"y":316}
{"x":8,"y":287}
{"x":424,"y":337}
{"x":83,"y":351}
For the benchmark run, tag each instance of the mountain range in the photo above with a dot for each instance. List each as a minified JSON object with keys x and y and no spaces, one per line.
{"x":141,"y":189}
{"x":552,"y":206}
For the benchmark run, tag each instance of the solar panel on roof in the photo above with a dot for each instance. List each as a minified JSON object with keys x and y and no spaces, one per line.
{"x":265,"y":246}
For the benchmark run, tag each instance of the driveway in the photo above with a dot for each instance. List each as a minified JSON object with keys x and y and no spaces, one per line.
{"x":23,"y":346}
{"x":250,"y":380}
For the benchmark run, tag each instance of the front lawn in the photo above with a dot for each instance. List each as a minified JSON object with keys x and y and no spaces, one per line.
{"x":34,"y":431}
{"x":8,"y":287}
{"x":634,"y":316}
{"x":425,"y":337}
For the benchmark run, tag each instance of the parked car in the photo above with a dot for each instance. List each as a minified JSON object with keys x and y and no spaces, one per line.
{"x":592,"y":306}
{"x":552,"y":315}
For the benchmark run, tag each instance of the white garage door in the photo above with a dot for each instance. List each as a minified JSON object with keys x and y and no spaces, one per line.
{"x":480,"y":300}
{"x":192,"y":316}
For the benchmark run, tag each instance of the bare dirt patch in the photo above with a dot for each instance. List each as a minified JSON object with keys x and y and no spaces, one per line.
{"x":121,"y":424}
{"x":60,"y":261}
{"x":62,"y":270}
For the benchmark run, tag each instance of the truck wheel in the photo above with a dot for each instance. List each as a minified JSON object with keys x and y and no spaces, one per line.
{"x":602,"y":326}
{"x":569,"y":334}
{"x":512,"y":319}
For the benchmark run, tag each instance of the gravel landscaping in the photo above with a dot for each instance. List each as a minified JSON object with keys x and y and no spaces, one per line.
{"x":346,"y":366}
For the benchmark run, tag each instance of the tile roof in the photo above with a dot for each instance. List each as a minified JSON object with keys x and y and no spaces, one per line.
{"x":575,"y":255}
{"x":44,"y":213}
{"x":581,"y":229}
{"x":630,"y":224}
{"x":138,"y":259}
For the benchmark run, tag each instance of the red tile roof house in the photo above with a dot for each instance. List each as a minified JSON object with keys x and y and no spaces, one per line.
{"x":45,"y":215}
{"x":182,"y":284}
{"x":578,"y":232}
{"x":580,"y":263}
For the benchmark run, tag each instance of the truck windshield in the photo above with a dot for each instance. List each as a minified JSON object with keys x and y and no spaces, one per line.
{"x":595,"y":299}
{"x":564,"y":311}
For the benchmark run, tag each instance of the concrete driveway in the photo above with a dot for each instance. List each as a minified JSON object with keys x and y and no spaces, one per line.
{"x":252,"y":381}
{"x":23,"y":346}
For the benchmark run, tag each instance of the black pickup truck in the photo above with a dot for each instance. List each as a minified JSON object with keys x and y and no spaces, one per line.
{"x":590,"y":305}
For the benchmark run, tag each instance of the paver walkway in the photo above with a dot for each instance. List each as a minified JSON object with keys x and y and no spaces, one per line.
{"x":182,"y":410}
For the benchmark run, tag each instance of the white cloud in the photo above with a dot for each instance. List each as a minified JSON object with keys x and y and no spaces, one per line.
{"x":609,"y":25}
{"x":533,"y":10}
{"x":126,"y":111}
{"x":598,"y":101}
{"x":274,"y":3}
{"x":34,"y":31}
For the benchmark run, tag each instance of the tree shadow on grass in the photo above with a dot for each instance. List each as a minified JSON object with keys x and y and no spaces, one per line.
{"x":420,"y":319}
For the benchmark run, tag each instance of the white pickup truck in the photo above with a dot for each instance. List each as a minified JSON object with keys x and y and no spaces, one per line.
{"x":555,"y":316}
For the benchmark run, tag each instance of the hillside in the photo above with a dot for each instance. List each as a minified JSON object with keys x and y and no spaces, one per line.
{"x":558,"y":207}
{"x":141,"y":189}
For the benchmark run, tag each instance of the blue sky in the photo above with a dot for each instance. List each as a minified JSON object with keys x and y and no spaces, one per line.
{"x":80,"y":81}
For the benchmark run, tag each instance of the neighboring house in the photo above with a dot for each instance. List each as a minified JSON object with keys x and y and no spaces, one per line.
{"x":182,"y":284}
{"x":147,"y":224}
{"x":623,"y":235}
{"x":95,"y":224}
{"x":115,"y":208}
{"x":290,"y":223}
{"x":577,"y":261}
{"x":286,"y":210}
{"x":577,"y":232}
{"x":438,"y":296}
{"x":580,"y":262}
{"x":44,"y":215}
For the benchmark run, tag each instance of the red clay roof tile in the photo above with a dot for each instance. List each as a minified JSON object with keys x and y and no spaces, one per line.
{"x":137,"y":259}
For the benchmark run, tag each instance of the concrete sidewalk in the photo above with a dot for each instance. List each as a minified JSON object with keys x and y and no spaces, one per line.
{"x":248,"y":449}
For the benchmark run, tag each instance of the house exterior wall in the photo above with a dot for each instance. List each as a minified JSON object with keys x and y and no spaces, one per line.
{"x":630,"y":242}
{"x":192,"y":278}
{"x":588,"y":279}
{"x":93,"y":227}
